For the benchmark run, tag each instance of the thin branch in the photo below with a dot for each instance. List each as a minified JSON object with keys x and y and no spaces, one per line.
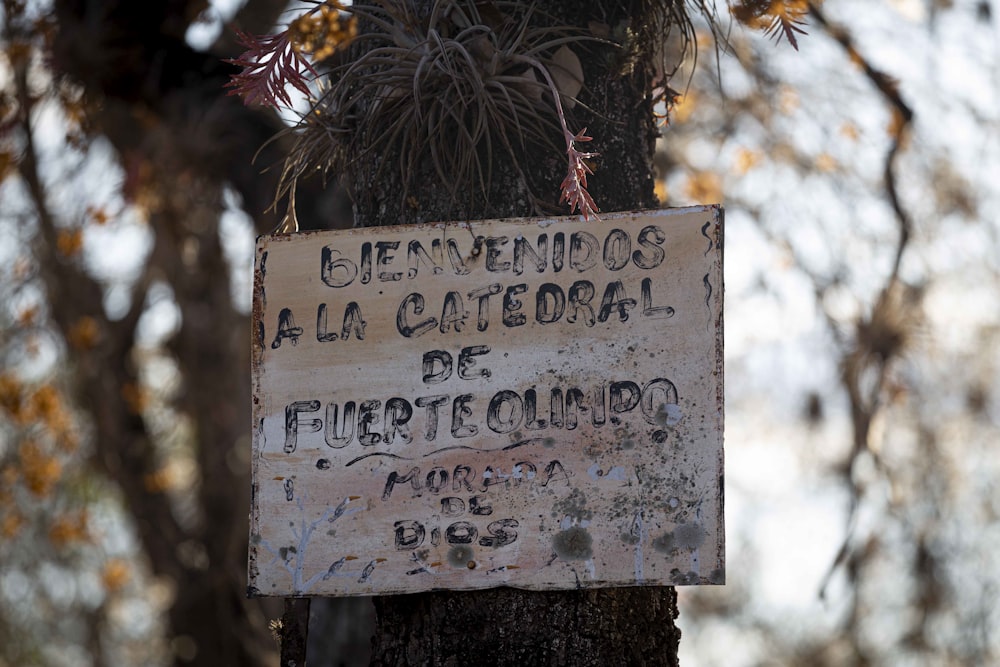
{"x":902,"y":121}
{"x":864,"y":408}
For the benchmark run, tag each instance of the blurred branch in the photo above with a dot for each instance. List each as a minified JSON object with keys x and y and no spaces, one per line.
{"x":901,"y":121}
{"x":879,"y":337}
{"x":123,"y":446}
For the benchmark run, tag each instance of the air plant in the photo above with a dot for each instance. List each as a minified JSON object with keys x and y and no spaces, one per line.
{"x":455,"y":87}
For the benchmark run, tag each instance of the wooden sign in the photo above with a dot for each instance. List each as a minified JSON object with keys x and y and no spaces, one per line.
{"x":534,"y":403}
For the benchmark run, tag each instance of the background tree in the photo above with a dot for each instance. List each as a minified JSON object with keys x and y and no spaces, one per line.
{"x":107,"y":103}
{"x":861,"y":326}
{"x":862,"y":182}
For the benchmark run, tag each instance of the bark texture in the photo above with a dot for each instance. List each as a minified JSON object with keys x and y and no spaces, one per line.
{"x":618,"y":627}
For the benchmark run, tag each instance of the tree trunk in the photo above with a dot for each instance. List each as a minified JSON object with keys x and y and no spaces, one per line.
{"x":625,"y":626}
{"x":505,"y":626}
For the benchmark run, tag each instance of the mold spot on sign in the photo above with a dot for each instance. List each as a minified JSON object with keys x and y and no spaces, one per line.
{"x":679,"y":578}
{"x":574,"y":543}
{"x":689,"y":535}
{"x":665,"y":543}
{"x":461,"y":556}
{"x":684,"y":536}
{"x":573,"y":506}
{"x":668,"y":415}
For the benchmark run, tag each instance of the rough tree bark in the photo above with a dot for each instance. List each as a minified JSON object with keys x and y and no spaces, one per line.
{"x":626,"y":626}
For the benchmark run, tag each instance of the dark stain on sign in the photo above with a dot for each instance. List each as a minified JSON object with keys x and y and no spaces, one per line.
{"x":574,"y":543}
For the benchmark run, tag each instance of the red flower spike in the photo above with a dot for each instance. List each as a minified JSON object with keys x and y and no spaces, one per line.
{"x":574,"y":186}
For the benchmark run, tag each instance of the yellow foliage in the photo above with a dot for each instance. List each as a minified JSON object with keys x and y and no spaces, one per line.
{"x":98,"y":215}
{"x":135,"y":398}
{"x":782,"y":152}
{"x":8,"y":162}
{"x":69,"y":529}
{"x":850,"y":131}
{"x":661,"y":190}
{"x":171,"y":476}
{"x":704,"y":39}
{"x":74,"y":111}
{"x":856,"y":59}
{"x":22,"y":268}
{"x":43,"y":407}
{"x":761,"y":14}
{"x":897,"y":124}
{"x":158,"y":481}
{"x":84,"y":333}
{"x":322,"y":34}
{"x":826,"y":163}
{"x":11,"y":525}
{"x":115,"y":574}
{"x":685,"y":107}
{"x":26,"y":318}
{"x":18,"y":51}
{"x":704,"y":187}
{"x":788,"y":100}
{"x":746,"y":160}
{"x":11,"y":397}
{"x":140,"y":186}
{"x":31,"y":346}
{"x":9,"y":476}
{"x":48,"y":409}
{"x":789,"y":8}
{"x":750,"y":14}
{"x":67,"y":440}
{"x":41,"y":470}
{"x":45,"y":404}
{"x":69,"y":242}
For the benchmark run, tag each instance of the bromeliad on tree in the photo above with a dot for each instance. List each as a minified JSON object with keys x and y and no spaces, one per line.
{"x":442,"y":92}
{"x":452,"y":87}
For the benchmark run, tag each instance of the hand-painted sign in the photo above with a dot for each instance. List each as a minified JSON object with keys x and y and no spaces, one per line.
{"x":534,"y":403}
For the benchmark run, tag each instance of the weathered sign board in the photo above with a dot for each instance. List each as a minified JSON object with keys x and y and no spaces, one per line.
{"x":534,"y":403}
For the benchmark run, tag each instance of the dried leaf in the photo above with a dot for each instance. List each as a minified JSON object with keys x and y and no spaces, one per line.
{"x":567,"y":73}
{"x":574,"y":186}
{"x":777,"y":18}
{"x":786,"y":24}
{"x":599,"y":30}
{"x":269,"y":64}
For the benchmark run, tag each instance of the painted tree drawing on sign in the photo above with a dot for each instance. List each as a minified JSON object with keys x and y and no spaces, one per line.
{"x":862,"y":317}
